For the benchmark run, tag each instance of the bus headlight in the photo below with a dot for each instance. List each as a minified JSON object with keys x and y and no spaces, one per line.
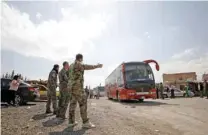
{"x":131,"y":93}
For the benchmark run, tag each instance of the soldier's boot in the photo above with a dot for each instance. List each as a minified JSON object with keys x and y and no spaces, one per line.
{"x":48,"y":111}
{"x":55,"y":112}
{"x":72,"y":124}
{"x":61,"y":117}
{"x":88,"y":125}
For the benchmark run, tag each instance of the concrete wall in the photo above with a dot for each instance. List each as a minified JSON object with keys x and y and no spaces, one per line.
{"x":179,"y":79}
{"x":205,"y":77}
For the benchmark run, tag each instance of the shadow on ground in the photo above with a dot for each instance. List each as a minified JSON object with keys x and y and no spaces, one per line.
{"x":41,"y":116}
{"x":144,"y":103}
{"x":40,"y":101}
{"x":28,"y":104}
{"x":69,"y":131}
{"x":5,"y":105}
{"x":52,"y":122}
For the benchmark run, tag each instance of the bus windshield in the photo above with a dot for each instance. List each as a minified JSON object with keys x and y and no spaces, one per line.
{"x":138,"y":72}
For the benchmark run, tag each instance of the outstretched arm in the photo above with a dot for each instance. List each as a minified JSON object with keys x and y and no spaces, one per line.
{"x":91,"y":67}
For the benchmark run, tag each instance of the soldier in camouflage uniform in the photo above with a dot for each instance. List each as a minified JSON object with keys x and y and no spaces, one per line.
{"x":51,"y":93}
{"x":77,"y":92}
{"x":64,"y":91}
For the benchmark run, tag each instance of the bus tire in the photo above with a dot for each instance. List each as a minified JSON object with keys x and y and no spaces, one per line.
{"x":141,"y":100}
{"x":108,"y":96}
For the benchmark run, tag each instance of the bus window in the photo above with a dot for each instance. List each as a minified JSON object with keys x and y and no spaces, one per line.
{"x":138,"y":71}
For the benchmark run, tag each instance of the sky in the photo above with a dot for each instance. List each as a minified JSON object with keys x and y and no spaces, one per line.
{"x":35,"y":35}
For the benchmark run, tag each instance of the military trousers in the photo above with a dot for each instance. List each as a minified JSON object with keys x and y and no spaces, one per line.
{"x":82,"y":100}
{"x":51,"y":98}
{"x":64,"y":98}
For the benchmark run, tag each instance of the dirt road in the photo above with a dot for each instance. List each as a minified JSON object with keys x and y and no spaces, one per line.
{"x":153,"y":117}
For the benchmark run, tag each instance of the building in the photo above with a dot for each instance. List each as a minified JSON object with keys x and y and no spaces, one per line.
{"x":179,"y":79}
{"x":204,"y":77}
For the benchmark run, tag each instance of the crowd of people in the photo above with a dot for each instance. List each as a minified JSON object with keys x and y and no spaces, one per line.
{"x":202,"y":87}
{"x":71,"y":81}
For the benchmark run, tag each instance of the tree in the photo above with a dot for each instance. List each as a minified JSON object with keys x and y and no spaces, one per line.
{"x":6,"y":76}
{"x":12,"y":75}
{"x":9,"y":76}
{"x":21,"y":77}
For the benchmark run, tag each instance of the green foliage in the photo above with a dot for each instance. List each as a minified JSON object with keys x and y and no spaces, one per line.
{"x":12,"y":74}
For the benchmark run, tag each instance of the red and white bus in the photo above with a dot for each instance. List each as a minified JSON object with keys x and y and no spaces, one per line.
{"x":131,"y":81}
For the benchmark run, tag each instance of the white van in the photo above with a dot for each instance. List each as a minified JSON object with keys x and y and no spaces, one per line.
{"x":100,"y":90}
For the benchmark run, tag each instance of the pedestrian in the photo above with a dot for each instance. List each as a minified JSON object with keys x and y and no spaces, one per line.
{"x":97,"y":93}
{"x":157,"y":92}
{"x":201,"y":90}
{"x":51,"y":92}
{"x":161,"y":90}
{"x":13,"y":90}
{"x":87,"y":92}
{"x":172,"y":92}
{"x":167,"y":89}
{"x":187,"y":89}
{"x":91,"y":93}
{"x":64,"y":91}
{"x":77,"y":92}
{"x":206,"y":88}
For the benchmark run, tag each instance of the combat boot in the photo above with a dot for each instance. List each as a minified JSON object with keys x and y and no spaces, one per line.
{"x":72,"y":124}
{"x":88,"y":125}
{"x":61,"y":117}
{"x":48,"y":111}
{"x":55,"y":112}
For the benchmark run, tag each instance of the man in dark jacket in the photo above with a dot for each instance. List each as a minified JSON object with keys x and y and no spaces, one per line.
{"x":51,"y":93}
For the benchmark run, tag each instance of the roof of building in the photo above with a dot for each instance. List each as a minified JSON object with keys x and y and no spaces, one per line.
{"x":179,"y":73}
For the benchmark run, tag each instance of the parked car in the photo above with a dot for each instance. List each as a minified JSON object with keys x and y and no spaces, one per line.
{"x":177,"y":93}
{"x":25,"y":92}
{"x":43,"y":91}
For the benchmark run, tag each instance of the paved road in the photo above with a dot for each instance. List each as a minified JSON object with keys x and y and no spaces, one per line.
{"x":153,"y":117}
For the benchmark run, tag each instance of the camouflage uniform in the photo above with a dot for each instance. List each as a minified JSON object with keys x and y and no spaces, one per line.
{"x":64,"y":93}
{"x":77,"y":92}
{"x":51,"y":93}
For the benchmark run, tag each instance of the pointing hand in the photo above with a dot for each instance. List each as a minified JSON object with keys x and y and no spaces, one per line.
{"x":99,"y":65}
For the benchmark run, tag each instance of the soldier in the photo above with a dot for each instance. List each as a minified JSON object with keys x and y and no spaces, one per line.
{"x":77,"y":92}
{"x":64,"y":91}
{"x":161,"y":90}
{"x":51,"y":93}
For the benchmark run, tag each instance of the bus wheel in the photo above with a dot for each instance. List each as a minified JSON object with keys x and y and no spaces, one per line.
{"x":108,"y":96}
{"x":141,"y":100}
